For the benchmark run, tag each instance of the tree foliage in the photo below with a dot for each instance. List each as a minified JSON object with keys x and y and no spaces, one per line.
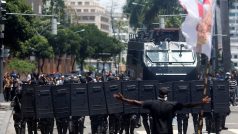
{"x":28,"y":35}
{"x":95,"y":42}
{"x":146,"y":12}
{"x":37,"y":45}
{"x":21,"y":66}
{"x":17,"y":28}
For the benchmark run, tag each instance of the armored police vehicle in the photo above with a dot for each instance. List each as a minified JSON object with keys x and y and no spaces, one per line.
{"x":161,"y":54}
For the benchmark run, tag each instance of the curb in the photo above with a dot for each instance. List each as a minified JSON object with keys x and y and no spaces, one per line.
{"x":6,"y":112}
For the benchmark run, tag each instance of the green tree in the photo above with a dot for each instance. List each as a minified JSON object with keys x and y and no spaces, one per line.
{"x":37,"y":45}
{"x":21,"y":66}
{"x":17,"y":28}
{"x":65,"y":42}
{"x":146,"y":12}
{"x":95,"y":43}
{"x":74,"y":40}
{"x":88,"y":42}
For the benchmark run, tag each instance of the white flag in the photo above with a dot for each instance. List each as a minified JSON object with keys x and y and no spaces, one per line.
{"x":198,"y":25}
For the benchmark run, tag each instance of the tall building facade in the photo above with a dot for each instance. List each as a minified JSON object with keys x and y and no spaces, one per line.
{"x":233,"y":19}
{"x":89,"y":12}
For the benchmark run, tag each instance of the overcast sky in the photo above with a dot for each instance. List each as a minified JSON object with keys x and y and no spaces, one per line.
{"x":118,"y":4}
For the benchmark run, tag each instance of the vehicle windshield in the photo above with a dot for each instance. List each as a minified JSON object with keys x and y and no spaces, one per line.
{"x":174,"y":56}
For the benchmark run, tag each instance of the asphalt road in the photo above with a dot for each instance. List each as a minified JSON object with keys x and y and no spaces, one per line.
{"x":231,"y":123}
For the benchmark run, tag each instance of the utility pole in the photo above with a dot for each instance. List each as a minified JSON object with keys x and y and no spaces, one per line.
{"x":2,"y":26}
{"x":226,"y":54}
{"x":112,"y":19}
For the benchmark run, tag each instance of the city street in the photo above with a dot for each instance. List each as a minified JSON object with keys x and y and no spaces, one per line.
{"x":231,"y":123}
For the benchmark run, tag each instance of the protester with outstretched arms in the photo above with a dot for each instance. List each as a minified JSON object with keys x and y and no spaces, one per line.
{"x":161,"y":111}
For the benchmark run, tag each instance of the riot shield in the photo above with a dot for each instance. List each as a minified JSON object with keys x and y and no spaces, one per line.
{"x":43,"y":101}
{"x":28,"y":101}
{"x":197,"y":88}
{"x":147,"y":91}
{"x":96,"y":99}
{"x":61,"y":101}
{"x":113,"y":105}
{"x":169,"y":87}
{"x":182,"y":94}
{"x":79,"y":100}
{"x":130,"y":90}
{"x":220,"y":96}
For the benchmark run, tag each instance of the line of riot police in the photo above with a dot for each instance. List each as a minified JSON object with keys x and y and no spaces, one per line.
{"x":68,"y":104}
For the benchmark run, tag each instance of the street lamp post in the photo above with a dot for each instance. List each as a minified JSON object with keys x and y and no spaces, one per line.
{"x":79,"y":31}
{"x":134,"y":3}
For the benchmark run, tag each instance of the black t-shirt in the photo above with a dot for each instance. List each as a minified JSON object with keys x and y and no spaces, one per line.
{"x":162,"y":113}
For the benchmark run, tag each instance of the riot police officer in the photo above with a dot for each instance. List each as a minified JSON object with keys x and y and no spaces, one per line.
{"x":46,"y":125}
{"x":147,"y":122}
{"x":195,"y":122}
{"x":32,"y":121}
{"x":77,"y":125}
{"x":182,"y":119}
{"x":19,"y":124}
{"x":128,"y":123}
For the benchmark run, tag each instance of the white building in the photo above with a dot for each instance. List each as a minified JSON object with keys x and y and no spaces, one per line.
{"x":36,"y":5}
{"x":233,"y":19}
{"x":89,"y":12}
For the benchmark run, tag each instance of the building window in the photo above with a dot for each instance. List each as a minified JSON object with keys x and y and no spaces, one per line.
{"x":72,"y":3}
{"x":104,"y":19}
{"x":232,"y":14}
{"x":235,"y":64}
{"x":104,"y":27}
{"x":79,"y":3}
{"x":87,"y":18}
{"x":79,"y":10}
{"x":86,"y":3}
{"x":93,"y":10}
{"x":232,"y":21}
{"x":85,"y":10}
{"x":235,"y":56}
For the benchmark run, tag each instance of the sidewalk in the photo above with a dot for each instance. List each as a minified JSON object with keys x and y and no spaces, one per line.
{"x":5,"y":114}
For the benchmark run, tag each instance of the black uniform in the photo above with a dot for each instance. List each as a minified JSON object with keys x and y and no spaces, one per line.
{"x":19,"y":124}
{"x":147,"y":122}
{"x":128,"y":123}
{"x":162,"y":113}
{"x":195,"y":122}
{"x":182,"y":120}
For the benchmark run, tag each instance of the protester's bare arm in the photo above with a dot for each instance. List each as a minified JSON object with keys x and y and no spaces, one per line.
{"x":205,"y":100}
{"x":120,"y":97}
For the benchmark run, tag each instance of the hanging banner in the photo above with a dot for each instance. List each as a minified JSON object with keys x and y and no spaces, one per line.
{"x":198,"y":25}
